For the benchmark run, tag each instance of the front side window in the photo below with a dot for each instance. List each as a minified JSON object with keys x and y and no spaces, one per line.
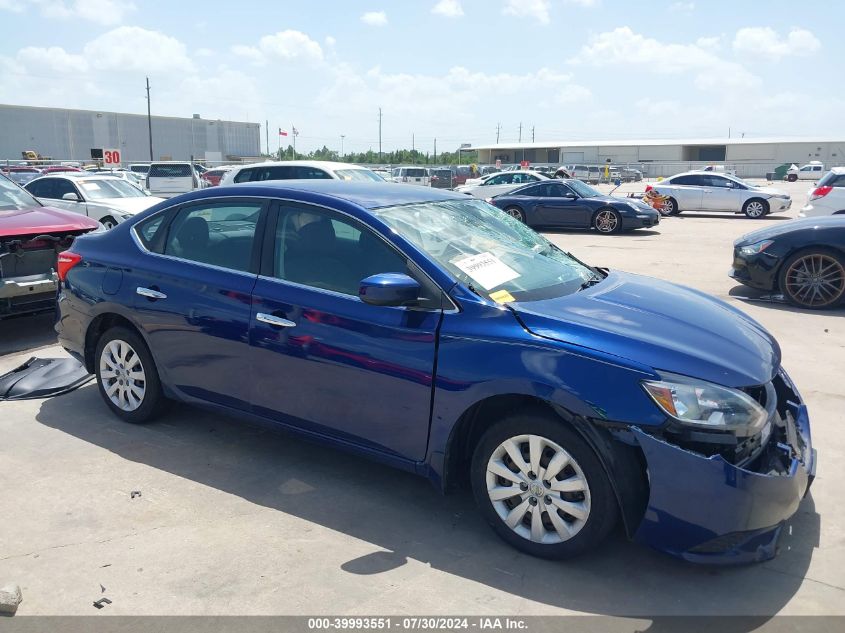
{"x":486,"y":249}
{"x":583,"y":189}
{"x":309,"y":173}
{"x":244,"y":175}
{"x":501,"y":179}
{"x":218,"y":234}
{"x":13,"y":198}
{"x":62,"y":187}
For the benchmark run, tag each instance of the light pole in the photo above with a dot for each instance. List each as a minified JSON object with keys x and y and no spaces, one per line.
{"x":342,"y":136}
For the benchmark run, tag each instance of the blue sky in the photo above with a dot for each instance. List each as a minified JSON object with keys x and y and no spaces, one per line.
{"x":446,"y":69}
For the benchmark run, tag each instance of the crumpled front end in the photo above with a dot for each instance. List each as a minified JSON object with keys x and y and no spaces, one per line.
{"x":706,"y":509}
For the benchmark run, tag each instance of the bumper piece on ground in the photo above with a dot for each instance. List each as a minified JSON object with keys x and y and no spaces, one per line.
{"x":704,"y":509}
{"x":42,"y":378}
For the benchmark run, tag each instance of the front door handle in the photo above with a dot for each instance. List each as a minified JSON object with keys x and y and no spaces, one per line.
{"x":149,"y":293}
{"x":276,"y":321}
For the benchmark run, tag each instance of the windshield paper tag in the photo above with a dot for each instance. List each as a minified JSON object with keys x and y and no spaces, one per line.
{"x":502,"y":296}
{"x":487,"y":269}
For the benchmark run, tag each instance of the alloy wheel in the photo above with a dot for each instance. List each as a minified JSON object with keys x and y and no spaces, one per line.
{"x":538,"y":490}
{"x":755,"y":209}
{"x":815,"y":280}
{"x":606,"y":221}
{"x":514,"y":213}
{"x":122,"y":375}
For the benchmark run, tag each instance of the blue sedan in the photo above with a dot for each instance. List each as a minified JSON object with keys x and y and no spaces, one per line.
{"x":433,"y":332}
{"x":572,"y":204}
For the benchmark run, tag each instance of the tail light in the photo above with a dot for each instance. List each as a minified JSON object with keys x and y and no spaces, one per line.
{"x":648,"y":188}
{"x":820,"y":192}
{"x":66,"y":261}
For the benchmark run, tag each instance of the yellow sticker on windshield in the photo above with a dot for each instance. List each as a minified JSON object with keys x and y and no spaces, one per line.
{"x":502,"y":296}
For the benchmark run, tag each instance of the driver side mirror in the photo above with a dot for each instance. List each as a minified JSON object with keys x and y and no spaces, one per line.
{"x":570,"y":196}
{"x":71,"y":197}
{"x":389,"y":289}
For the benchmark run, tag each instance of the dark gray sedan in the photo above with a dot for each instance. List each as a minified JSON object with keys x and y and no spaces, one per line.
{"x":573,"y":204}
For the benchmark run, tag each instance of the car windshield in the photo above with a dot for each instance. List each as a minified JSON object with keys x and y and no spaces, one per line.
{"x":14,"y":198}
{"x":358,"y":174}
{"x":104,"y":189}
{"x":583,"y":189}
{"x":489,"y":251}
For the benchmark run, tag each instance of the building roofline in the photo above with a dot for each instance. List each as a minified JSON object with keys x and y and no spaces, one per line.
{"x":109,"y":112}
{"x":654,"y":142}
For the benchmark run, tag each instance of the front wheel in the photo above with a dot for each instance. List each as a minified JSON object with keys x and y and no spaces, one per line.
{"x":670,"y":207}
{"x":607,"y":221}
{"x":814,"y":279}
{"x":127,"y":376}
{"x":541,"y":487}
{"x":516,"y":213}
{"x":755,"y":208}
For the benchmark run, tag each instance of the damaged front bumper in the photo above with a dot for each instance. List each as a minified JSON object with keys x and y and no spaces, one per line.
{"x":704,"y":509}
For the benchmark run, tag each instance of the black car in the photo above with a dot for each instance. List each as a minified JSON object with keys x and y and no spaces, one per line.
{"x":441,"y":178}
{"x":803,"y":259}
{"x":573,"y":204}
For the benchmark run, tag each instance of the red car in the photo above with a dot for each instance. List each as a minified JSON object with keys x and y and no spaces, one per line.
{"x":32,"y":238}
{"x":53,"y":169}
{"x":212,"y":176}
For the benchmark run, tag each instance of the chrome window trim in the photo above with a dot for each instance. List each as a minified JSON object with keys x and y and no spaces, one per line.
{"x":133,"y":231}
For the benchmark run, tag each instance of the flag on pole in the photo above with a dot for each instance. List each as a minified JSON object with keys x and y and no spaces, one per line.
{"x":282,"y":132}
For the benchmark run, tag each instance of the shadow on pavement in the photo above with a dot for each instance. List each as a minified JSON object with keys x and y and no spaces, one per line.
{"x":771,"y":300}
{"x":26,"y":332}
{"x":728,"y":215}
{"x":404,"y":515}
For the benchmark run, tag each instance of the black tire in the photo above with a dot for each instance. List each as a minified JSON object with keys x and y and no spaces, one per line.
{"x":603,"y":509}
{"x":791,"y":178}
{"x":753,"y":206}
{"x":670,"y":207}
{"x":516,"y":213}
{"x":607,"y":221}
{"x":152,"y":402}
{"x":788,"y":278}
{"x":108,"y":222}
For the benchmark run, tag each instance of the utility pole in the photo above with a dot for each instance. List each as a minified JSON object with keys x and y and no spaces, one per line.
{"x":342,"y":136}
{"x":498,"y":130}
{"x":520,"y":131}
{"x":267,"y":135}
{"x":412,"y":142}
{"x":149,"y":119}
{"x":295,"y":134}
{"x":532,"y":133}
{"x":435,"y":151}
{"x":379,"y":134}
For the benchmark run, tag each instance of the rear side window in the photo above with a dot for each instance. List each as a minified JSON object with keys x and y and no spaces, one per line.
{"x":686,"y":180}
{"x":416,"y":173}
{"x":830,"y":179}
{"x":170,"y":171}
{"x":148,"y":230}
{"x":218,"y":234}
{"x":244,"y":175}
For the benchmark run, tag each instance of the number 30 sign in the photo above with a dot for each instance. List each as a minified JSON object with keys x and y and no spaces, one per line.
{"x":111,"y":157}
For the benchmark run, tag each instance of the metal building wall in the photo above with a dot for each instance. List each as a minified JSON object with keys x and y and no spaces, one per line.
{"x":70,"y":135}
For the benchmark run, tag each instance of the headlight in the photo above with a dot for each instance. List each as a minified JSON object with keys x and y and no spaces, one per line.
{"x":705,"y":405}
{"x":755,"y":248}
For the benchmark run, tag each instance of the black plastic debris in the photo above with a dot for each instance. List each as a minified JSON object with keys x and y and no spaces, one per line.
{"x":102,"y":602}
{"x":42,"y":378}
{"x":134,"y":493}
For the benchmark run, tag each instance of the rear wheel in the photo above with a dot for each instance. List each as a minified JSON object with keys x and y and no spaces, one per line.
{"x":607,"y":221}
{"x":541,"y":487}
{"x":814,"y":279}
{"x":792,"y":178}
{"x":127,"y":376}
{"x":517,"y":213}
{"x":755,"y":208}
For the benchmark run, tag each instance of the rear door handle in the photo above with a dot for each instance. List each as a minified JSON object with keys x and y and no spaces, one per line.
{"x":149,"y":293}
{"x":276,"y":321}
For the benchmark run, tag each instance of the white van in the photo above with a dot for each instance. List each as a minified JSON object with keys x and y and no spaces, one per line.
{"x":412,"y":176}
{"x":168,"y":179}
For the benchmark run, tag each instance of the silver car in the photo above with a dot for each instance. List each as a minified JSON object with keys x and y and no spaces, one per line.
{"x":496,"y":184}
{"x":707,"y":191}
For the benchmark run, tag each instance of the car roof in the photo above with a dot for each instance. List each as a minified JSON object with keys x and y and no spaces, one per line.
{"x":84,"y":175}
{"x":369,"y":195}
{"x":325,"y":164}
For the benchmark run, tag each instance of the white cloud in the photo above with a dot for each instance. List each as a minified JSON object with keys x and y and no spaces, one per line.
{"x":204,"y":52}
{"x":448,"y":8}
{"x":105,"y":12}
{"x":682,"y":7}
{"x":573,"y":94}
{"x":765,"y":42}
{"x":330,"y":41}
{"x":537,"y":9}
{"x":53,"y":58}
{"x":374,"y":18}
{"x":134,"y":48}
{"x":284,"y":45}
{"x":583,"y":3}
{"x":625,"y":48}
{"x":15,"y":6}
{"x":709,"y":43}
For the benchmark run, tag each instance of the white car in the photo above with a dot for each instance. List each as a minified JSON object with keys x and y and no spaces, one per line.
{"x":708,"y":191}
{"x":827,"y":197}
{"x":496,"y":184}
{"x":412,"y":176}
{"x":298,"y":170}
{"x":172,"y":178}
{"x":811,"y":171}
{"x":107,"y":199}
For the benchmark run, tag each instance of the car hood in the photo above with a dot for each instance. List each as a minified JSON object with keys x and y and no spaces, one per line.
{"x":782,"y":228}
{"x":129,"y":205}
{"x":42,"y":220}
{"x":663,"y":325}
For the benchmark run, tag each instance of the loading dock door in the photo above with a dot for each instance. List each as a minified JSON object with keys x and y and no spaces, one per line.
{"x":570,"y":158}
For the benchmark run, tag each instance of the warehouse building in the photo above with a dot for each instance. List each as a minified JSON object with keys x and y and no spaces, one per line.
{"x":71,"y":134}
{"x":751,"y":157}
